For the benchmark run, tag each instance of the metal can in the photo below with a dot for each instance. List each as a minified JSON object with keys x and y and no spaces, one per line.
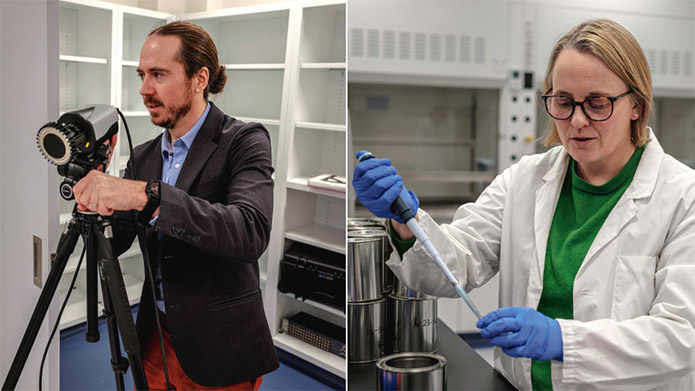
{"x":411,"y":371}
{"x":366,"y":331}
{"x":414,"y":323}
{"x":387,"y":275}
{"x":365,"y":269}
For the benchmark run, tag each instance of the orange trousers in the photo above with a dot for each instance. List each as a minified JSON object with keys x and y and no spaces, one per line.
{"x":152,"y":361}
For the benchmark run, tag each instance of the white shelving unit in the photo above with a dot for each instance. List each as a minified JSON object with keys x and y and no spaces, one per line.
{"x":294,"y":86}
{"x":312,"y":143}
{"x":85,"y":59}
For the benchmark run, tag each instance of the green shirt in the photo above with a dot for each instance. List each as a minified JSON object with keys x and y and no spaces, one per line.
{"x":581,"y":211}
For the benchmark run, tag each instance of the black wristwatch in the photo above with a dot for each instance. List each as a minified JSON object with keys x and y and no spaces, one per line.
{"x":153,"y":198}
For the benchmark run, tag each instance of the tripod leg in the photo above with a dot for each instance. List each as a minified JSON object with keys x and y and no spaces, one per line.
{"x":119,"y":364}
{"x":66,"y":246}
{"x":110,"y":271}
{"x":92,"y":334}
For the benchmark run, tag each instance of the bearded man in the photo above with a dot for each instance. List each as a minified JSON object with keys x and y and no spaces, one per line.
{"x":204,"y":190}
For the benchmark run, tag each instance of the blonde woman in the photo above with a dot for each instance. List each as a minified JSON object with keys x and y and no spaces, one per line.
{"x":594,"y":240}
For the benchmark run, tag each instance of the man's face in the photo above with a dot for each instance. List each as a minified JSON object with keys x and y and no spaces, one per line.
{"x":166,"y":90}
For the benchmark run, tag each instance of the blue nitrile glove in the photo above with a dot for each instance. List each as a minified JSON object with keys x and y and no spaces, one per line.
{"x":523,"y":332}
{"x":377,"y":186}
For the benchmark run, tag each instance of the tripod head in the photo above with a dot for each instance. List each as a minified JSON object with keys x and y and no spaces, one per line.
{"x":75,"y":143}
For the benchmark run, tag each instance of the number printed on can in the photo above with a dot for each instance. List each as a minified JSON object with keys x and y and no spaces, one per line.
{"x":425,"y":322}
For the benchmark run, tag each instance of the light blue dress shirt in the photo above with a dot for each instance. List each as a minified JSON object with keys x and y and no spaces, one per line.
{"x":173,"y":157}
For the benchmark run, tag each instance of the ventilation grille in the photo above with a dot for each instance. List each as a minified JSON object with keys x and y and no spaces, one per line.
{"x":357,"y":46}
{"x":670,"y":62}
{"x":418,"y":46}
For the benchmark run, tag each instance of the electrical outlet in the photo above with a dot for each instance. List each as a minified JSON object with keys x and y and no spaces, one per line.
{"x":37,"y":262}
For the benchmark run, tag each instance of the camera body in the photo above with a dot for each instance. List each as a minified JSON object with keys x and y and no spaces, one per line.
{"x":75,"y":143}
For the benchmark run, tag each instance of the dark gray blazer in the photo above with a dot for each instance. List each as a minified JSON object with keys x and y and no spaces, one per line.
{"x":215,"y":224}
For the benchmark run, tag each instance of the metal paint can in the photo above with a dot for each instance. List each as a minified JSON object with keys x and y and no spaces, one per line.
{"x":411,"y":371}
{"x":365,"y":269}
{"x":387,"y":274}
{"x":414,"y":323}
{"x":366,"y":331}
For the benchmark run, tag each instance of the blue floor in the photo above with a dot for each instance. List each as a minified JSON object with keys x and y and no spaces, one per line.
{"x":87,"y":366}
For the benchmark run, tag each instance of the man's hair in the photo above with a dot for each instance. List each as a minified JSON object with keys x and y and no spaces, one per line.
{"x":620,"y":51}
{"x":197,"y":51}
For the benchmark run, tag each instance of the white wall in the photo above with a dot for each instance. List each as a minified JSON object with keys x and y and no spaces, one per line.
{"x":28,"y":201}
{"x":178,"y":7}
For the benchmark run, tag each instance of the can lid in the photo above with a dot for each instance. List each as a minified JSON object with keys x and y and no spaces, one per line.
{"x":367,"y":233}
{"x":357,"y":227}
{"x":411,"y":362}
{"x":363,"y":240}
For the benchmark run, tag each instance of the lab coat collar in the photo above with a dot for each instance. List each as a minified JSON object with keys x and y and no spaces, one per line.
{"x":642,"y":186}
{"x":644,"y":182}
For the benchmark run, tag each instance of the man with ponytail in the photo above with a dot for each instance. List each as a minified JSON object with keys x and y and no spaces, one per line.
{"x":205,"y":193}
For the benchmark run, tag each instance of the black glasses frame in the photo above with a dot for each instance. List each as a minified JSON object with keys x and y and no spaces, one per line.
{"x":574,"y":103}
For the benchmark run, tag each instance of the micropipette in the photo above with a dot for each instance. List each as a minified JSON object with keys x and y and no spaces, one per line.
{"x":401,"y":208}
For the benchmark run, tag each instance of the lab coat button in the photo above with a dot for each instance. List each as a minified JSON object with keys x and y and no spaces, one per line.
{"x":196,"y":239}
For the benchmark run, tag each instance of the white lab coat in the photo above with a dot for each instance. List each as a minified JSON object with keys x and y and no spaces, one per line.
{"x":634,"y":294}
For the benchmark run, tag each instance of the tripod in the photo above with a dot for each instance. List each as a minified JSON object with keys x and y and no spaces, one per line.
{"x":96,"y":233}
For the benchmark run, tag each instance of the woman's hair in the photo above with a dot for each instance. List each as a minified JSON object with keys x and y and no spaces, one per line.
{"x":621,"y":52}
{"x":197,"y":51}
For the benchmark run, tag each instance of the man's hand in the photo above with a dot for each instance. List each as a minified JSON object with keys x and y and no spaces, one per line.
{"x":523,"y":332}
{"x":104,"y":194}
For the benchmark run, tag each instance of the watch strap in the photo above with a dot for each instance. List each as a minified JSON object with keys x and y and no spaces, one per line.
{"x":152,"y":189}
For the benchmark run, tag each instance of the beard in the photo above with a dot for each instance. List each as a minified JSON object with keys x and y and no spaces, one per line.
{"x":172,"y":114}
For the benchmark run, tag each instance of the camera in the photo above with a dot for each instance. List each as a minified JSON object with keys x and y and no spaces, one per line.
{"x":75,"y":143}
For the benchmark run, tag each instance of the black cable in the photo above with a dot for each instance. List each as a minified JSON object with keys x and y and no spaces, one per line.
{"x":145,"y":255}
{"x":60,"y":314}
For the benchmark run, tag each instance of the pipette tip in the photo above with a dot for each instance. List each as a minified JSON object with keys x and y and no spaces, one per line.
{"x":461,"y":292}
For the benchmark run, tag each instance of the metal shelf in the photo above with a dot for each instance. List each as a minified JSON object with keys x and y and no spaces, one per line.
{"x":260,"y":67}
{"x":319,"y":235}
{"x":321,"y":126}
{"x":87,"y":60}
{"x":325,"y":65}
{"x":300,"y":183}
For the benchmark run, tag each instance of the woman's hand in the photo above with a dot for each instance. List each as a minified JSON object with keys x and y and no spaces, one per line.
{"x":523,"y":332}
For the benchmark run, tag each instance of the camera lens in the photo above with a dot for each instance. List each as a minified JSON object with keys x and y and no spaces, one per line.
{"x":55,"y":147}
{"x":59,"y":142}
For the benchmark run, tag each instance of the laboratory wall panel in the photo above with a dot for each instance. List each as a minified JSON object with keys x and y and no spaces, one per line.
{"x":466,"y":39}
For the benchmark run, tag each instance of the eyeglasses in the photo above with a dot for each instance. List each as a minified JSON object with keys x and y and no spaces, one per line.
{"x":596,"y":108}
